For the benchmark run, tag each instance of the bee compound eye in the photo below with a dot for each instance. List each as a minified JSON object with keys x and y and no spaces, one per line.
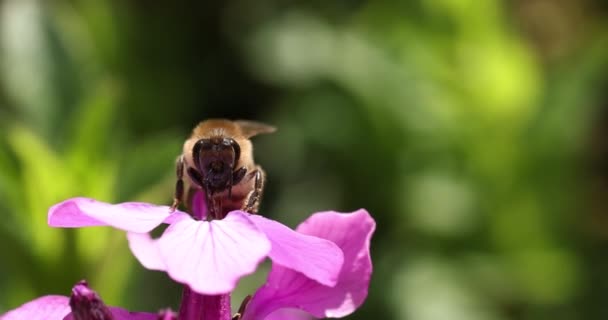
{"x":203,"y":144}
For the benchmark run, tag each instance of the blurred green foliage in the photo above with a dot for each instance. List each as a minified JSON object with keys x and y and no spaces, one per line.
{"x":473,"y":131}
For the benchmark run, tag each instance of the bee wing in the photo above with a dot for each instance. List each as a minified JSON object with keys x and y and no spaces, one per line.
{"x":253,"y":128}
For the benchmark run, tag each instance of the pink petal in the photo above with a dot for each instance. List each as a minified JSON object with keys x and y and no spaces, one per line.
{"x":146,"y":250}
{"x":318,"y":259}
{"x":166,"y":314}
{"x":128,"y":216}
{"x":176,"y":216}
{"x":286,"y":288}
{"x":122,"y":314}
{"x":43,"y":308}
{"x":211,"y":256}
{"x":289,"y":314}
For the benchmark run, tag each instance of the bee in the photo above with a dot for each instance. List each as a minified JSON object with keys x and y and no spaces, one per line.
{"x":218,"y":160}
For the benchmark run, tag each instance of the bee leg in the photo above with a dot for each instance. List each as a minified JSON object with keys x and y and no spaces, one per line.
{"x":195,"y":177}
{"x":252,"y":201}
{"x":237,"y":176}
{"x":239,"y":314}
{"x":179,"y":184}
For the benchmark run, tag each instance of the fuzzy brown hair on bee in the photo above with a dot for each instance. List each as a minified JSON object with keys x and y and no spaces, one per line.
{"x":218,"y":160}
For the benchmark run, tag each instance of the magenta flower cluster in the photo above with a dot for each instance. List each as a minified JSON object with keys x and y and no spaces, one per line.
{"x":322,"y":269}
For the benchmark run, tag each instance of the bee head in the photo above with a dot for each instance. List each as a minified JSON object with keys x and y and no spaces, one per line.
{"x":216,"y":158}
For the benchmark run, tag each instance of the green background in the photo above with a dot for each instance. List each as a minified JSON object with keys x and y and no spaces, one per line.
{"x":473,"y":131}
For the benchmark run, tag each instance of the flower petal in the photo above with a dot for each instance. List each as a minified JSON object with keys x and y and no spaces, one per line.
{"x":146,"y":250}
{"x":129,"y":216}
{"x":166,"y":314}
{"x":286,"y":288}
{"x":46,"y":307}
{"x":122,"y":314}
{"x":289,"y":314}
{"x":176,"y":216}
{"x":211,"y":256}
{"x":318,"y":259}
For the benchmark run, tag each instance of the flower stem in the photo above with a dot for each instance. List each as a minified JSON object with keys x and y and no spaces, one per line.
{"x":203,"y":307}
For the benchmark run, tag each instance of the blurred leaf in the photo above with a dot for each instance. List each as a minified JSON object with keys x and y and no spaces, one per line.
{"x":454,"y":215}
{"x":27,"y":62}
{"x":92,"y":147}
{"x":570,"y":99}
{"x":39,"y":76}
{"x":101,"y":20}
{"x":46,"y":181}
{"x":431,"y":289}
{"x":9,"y":178}
{"x":540,"y":284}
{"x":147,"y":163}
{"x":80,"y":42}
{"x":112,"y":257}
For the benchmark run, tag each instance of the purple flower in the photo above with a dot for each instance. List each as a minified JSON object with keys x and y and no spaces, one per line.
{"x":208,"y":256}
{"x":83,"y":304}
{"x":323,"y":269}
{"x":286,"y":288}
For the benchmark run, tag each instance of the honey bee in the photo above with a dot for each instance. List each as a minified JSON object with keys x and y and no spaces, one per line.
{"x":218,"y":160}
